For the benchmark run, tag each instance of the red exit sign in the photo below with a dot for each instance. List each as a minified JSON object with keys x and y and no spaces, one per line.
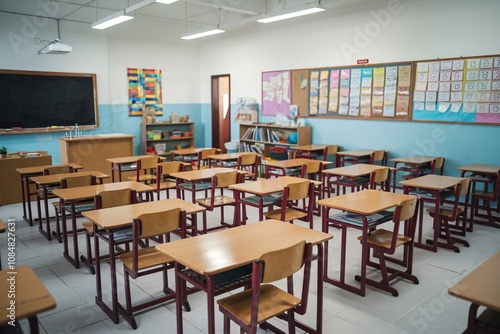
{"x":363,"y":61}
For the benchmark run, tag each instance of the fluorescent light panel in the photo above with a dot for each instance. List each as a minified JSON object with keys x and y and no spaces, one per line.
{"x":291,"y":13}
{"x":111,"y":20}
{"x":199,"y":34}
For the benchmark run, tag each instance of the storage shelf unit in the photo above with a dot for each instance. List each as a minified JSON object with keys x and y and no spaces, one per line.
{"x":160,"y":133}
{"x":255,"y":137}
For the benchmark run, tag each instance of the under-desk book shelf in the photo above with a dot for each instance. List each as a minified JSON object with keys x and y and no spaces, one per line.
{"x":164,"y":137}
{"x":260,"y":138}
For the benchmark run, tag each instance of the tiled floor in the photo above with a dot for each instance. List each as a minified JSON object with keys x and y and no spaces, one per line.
{"x":423,"y":308}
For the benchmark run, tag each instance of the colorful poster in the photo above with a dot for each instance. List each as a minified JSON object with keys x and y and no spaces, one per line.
{"x":276,"y":92}
{"x":144,"y":92}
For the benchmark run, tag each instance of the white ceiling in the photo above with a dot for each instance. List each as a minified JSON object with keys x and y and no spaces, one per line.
{"x":193,"y":14}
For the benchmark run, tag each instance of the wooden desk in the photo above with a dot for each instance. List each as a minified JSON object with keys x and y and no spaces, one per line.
{"x":433,"y":188}
{"x":364,"y":203}
{"x":124,"y":164}
{"x":314,"y":150}
{"x":485,"y":174}
{"x":116,"y":217}
{"x":9,"y":176}
{"x":350,"y":172}
{"x":227,"y":159}
{"x":414,"y":163}
{"x":26,"y":173}
{"x":214,"y":253}
{"x":480,"y":287}
{"x":31,"y":297}
{"x":261,"y":189}
{"x":91,"y":152}
{"x":357,"y":155}
{"x":190,"y":179}
{"x":73,"y":195}
{"x":45,"y":181}
{"x":283,"y":165}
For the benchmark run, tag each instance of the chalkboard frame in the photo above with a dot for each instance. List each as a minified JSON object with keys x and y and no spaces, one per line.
{"x":53,"y":127}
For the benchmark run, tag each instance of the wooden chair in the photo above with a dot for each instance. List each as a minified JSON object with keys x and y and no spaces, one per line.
{"x":486,"y":197}
{"x":146,"y":168}
{"x":377,"y":177}
{"x":145,"y":261}
{"x":378,"y":157}
{"x":254,"y":307}
{"x":220,"y":183}
{"x":51,"y":170}
{"x":291,"y":193}
{"x":203,"y":160}
{"x":380,"y":178}
{"x":108,"y":199}
{"x":313,"y":171}
{"x":384,"y":241}
{"x":249,"y":162}
{"x":456,"y":213}
{"x":84,"y":205}
{"x":163,"y":179}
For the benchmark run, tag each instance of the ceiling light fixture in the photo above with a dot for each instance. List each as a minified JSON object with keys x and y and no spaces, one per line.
{"x":167,"y":2}
{"x":292,"y":12}
{"x":111,"y":20}
{"x":204,"y":33}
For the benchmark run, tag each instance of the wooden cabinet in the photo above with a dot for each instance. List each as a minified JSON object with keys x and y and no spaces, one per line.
{"x":91,"y":152}
{"x":164,"y":137}
{"x":10,"y":178}
{"x":261,"y":137}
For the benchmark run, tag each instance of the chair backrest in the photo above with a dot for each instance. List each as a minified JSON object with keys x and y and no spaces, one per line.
{"x":313,"y":167}
{"x":437,"y":164}
{"x":296,"y":191}
{"x":223,"y":180}
{"x":147,"y":163}
{"x":60,"y":169}
{"x":330,"y":150}
{"x":164,"y":169}
{"x":379,"y":156}
{"x":282,"y":263}
{"x":111,"y":198}
{"x":378,"y":176}
{"x":78,"y":181}
{"x":203,"y":160}
{"x":158,"y":223}
{"x":246,"y":160}
{"x":405,"y":210}
{"x":461,"y":189}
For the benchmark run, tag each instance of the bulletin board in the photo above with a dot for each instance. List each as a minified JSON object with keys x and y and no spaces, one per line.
{"x":300,"y":90}
{"x":379,"y":91}
{"x":465,"y":90}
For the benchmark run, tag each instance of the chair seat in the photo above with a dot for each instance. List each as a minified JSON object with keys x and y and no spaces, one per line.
{"x":445,"y":212}
{"x":484,"y":194}
{"x":148,"y":257}
{"x":383,"y":238}
{"x":290,"y":214}
{"x":272,"y":301}
{"x":218,"y":201}
{"x":165,"y":185}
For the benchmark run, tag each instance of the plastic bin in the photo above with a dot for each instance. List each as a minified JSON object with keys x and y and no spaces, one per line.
{"x":231,"y":147}
{"x":279,"y":153}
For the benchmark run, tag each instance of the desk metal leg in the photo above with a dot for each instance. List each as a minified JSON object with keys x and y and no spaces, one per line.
{"x":73,"y":260}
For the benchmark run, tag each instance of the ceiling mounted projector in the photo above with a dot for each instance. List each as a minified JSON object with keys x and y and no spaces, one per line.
{"x":55,"y":48}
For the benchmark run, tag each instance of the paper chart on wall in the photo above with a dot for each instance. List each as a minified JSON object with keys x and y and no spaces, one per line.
{"x":313,"y":92}
{"x":462,"y":90}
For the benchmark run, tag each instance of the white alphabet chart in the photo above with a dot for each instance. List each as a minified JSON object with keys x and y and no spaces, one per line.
{"x":373,"y":92}
{"x":458,"y":90}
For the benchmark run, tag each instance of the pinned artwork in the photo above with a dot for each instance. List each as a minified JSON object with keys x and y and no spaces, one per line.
{"x":144,"y":92}
{"x":276,"y":93}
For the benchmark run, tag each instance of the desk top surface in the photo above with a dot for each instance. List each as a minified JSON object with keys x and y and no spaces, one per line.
{"x":481,"y":168}
{"x":481,"y":285}
{"x":115,"y":217}
{"x":414,"y":159}
{"x":312,"y":147}
{"x":290,"y":163}
{"x":432,"y":182}
{"x":39,"y":169}
{"x":228,"y":156}
{"x":78,"y":193}
{"x":32,"y":297}
{"x":356,"y":153}
{"x":365,"y":202}
{"x":130,"y":159}
{"x":188,"y":151}
{"x":202,"y":174}
{"x":268,"y":186}
{"x":56,"y":178}
{"x":353,"y":170}
{"x":216,"y":252}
